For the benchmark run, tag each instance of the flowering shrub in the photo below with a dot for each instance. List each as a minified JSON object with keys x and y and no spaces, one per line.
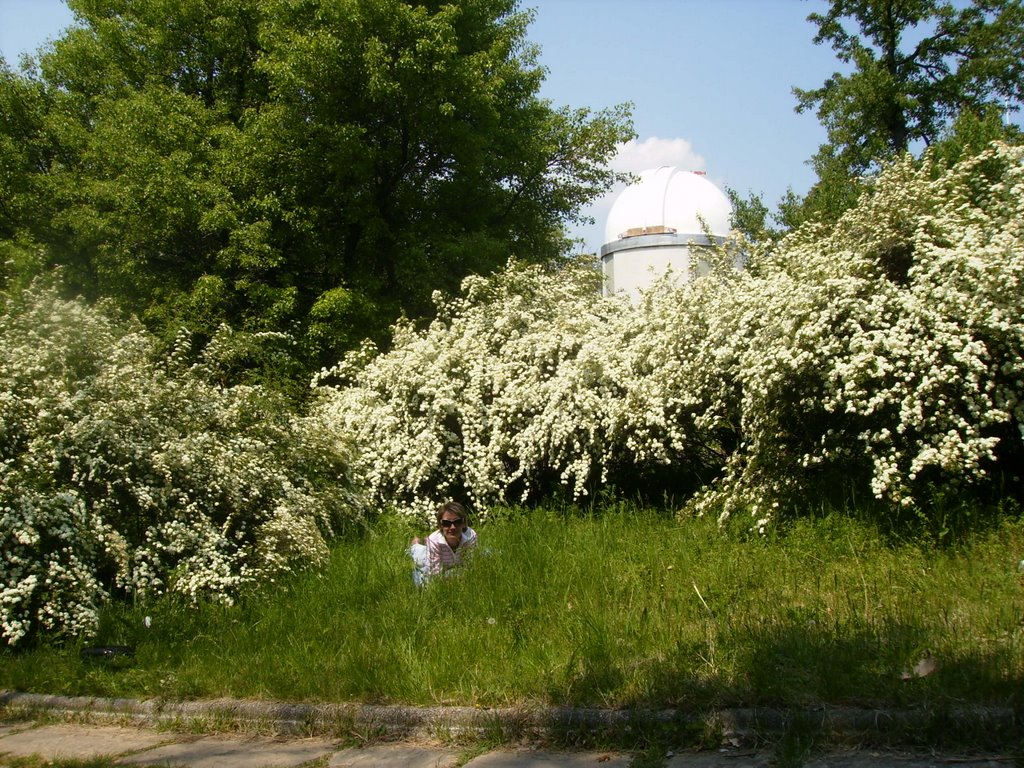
{"x":888,"y":347}
{"x":884,"y":351}
{"x":507,"y":386}
{"x":127,"y":475}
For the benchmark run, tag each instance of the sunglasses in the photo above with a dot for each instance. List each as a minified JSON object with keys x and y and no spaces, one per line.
{"x":450,"y":523}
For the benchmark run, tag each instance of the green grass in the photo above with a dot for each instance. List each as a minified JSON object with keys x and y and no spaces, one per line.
{"x":624,"y":609}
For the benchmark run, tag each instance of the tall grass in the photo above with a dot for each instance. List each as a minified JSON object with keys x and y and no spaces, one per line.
{"x":624,"y":608}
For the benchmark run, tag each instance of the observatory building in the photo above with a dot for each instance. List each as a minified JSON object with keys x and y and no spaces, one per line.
{"x":656,"y":224}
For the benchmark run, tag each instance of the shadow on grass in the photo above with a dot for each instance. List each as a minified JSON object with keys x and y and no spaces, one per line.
{"x":802,"y":683}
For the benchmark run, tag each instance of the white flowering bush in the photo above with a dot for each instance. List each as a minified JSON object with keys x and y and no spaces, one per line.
{"x":503,"y":395}
{"x":123,"y":474}
{"x":880,"y":353}
{"x":886,"y":349}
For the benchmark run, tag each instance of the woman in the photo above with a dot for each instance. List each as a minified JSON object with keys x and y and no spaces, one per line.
{"x":443,"y":549}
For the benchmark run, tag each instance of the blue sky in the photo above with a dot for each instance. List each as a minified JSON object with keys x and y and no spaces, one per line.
{"x":710,"y":80}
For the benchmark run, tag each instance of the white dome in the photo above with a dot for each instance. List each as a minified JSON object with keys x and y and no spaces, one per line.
{"x":669,"y":200}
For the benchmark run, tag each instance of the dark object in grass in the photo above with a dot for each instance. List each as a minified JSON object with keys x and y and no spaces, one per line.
{"x":98,"y":652}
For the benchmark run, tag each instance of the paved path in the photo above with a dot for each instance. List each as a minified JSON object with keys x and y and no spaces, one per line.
{"x":147,"y":747}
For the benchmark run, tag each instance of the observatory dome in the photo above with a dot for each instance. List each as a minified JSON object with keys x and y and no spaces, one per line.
{"x":668,"y":200}
{"x":664,"y":223}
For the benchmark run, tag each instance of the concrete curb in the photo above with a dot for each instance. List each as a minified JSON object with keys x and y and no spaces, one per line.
{"x":404,"y":722}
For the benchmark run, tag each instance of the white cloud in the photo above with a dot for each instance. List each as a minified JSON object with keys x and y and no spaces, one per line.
{"x":635,"y":156}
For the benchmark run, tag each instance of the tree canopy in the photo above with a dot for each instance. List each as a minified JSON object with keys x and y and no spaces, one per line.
{"x":316,"y":166}
{"x":913,"y":66}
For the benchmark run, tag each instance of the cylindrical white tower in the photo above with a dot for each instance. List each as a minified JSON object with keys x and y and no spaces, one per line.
{"x":655,"y":222}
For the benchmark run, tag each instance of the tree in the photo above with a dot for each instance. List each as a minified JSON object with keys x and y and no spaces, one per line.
{"x":915,"y":65}
{"x":316,"y":166}
{"x":22,"y":154}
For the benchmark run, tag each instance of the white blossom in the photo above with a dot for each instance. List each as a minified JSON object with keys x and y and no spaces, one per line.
{"x":125,"y":474}
{"x":884,"y":350}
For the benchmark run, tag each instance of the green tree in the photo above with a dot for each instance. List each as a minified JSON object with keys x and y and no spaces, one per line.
{"x":914,"y":66}
{"x":318,"y":166}
{"x":22,"y":154}
{"x":751,"y":216}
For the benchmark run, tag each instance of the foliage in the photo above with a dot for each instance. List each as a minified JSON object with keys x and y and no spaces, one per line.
{"x":751,"y":218}
{"x":313,"y":167}
{"x":123,"y":474}
{"x":881,"y":357}
{"x":21,"y":149}
{"x":913,"y":67}
{"x":916,"y":65}
{"x":971,"y":132}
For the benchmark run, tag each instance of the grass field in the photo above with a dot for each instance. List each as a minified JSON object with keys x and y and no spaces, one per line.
{"x":629,"y":608}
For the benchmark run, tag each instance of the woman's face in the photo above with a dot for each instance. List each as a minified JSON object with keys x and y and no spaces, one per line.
{"x":452,"y":526}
